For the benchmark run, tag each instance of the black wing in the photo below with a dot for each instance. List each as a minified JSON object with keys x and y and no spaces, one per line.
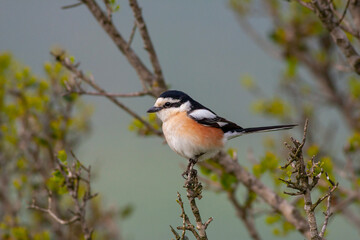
{"x":208,"y":118}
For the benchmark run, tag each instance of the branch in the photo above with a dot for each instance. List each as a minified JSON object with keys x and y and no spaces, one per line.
{"x":355,"y":13}
{"x":243,"y":214}
{"x":186,"y":222}
{"x":49,"y":211}
{"x":79,"y":74}
{"x":193,"y":189}
{"x":107,"y":94}
{"x":73,"y":177}
{"x":327,"y":214}
{"x":108,"y":9}
{"x":290,"y":213}
{"x":177,"y":236}
{"x":344,"y":13}
{"x":72,"y":5}
{"x":148,"y":43}
{"x":305,"y":180}
{"x":148,"y":79}
{"x":305,"y":4}
{"x":326,"y":16}
{"x":331,"y":190}
{"x":132,"y":34}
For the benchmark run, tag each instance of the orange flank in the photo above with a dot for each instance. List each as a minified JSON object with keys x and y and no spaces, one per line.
{"x":197,"y":134}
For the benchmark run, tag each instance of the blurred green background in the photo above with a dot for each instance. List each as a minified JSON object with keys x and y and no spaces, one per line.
{"x":202,"y":51}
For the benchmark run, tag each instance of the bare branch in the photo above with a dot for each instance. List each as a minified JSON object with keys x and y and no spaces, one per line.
{"x":132,"y":34}
{"x":194,"y":189}
{"x":107,"y":94}
{"x":344,"y":13}
{"x":279,"y":204}
{"x":305,"y":4}
{"x":327,"y":214}
{"x":148,"y":79}
{"x":177,"y":236}
{"x":186,"y":222}
{"x":148,"y":43}
{"x":49,"y":211}
{"x":355,"y":13}
{"x":108,"y":9}
{"x":79,"y":74}
{"x":323,"y":197}
{"x":243,"y":214}
{"x":325,"y":14}
{"x":73,"y":176}
{"x":72,"y":5}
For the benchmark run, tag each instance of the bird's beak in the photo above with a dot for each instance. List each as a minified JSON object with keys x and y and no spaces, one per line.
{"x":154,"y":109}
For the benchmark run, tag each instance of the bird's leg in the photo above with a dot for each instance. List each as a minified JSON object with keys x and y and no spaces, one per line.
{"x":189,"y":168}
{"x":192,"y":183}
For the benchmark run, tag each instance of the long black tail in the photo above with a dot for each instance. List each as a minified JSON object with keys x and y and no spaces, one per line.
{"x":267,"y":128}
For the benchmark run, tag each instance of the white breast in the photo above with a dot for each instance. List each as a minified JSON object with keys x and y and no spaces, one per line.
{"x":187,"y":145}
{"x":180,"y":145}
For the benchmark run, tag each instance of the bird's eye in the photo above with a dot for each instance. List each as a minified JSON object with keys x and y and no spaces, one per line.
{"x":167,"y":104}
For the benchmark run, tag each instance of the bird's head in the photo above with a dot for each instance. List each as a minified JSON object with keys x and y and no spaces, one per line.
{"x":170,"y":103}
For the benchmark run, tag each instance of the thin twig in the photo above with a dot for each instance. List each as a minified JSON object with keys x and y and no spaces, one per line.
{"x":72,"y":5}
{"x":305,"y":4}
{"x":107,"y":94}
{"x":323,"y":197}
{"x":327,"y":214}
{"x":132,"y":34}
{"x":322,"y":8}
{"x":177,"y":236}
{"x":146,"y":77}
{"x":79,"y":74}
{"x":149,"y":47}
{"x":186,"y":222}
{"x":279,"y":204}
{"x":49,"y":211}
{"x":344,"y":13}
{"x":243,"y":214}
{"x":108,"y":9}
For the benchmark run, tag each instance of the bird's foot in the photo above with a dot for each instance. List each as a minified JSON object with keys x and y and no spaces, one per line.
{"x":189,"y":169}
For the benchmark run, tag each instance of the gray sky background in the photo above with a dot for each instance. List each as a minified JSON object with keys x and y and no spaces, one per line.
{"x":202,"y":51}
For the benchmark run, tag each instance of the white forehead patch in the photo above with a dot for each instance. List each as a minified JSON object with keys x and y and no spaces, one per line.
{"x":161,"y":101}
{"x":202,"y":114}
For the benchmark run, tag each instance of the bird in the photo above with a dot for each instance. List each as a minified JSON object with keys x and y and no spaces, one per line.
{"x":194,"y":131}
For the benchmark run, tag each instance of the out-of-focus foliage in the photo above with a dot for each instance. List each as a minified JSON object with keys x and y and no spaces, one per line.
{"x":36,"y":121}
{"x":141,"y":129}
{"x":315,"y":76}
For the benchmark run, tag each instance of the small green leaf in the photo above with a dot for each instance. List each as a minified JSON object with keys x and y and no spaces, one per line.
{"x":257,"y":170}
{"x":354,"y":87}
{"x":227,"y":181}
{"x":72,"y":59}
{"x":126,"y":211}
{"x":313,"y":150}
{"x":62,"y":156}
{"x":271,"y":219}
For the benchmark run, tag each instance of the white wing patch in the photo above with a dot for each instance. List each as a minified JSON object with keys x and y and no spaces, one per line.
{"x":221,"y":124}
{"x":202,"y":114}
